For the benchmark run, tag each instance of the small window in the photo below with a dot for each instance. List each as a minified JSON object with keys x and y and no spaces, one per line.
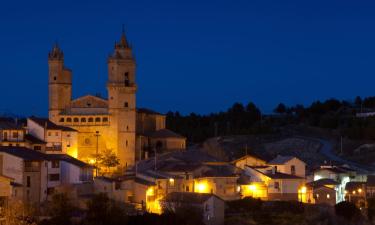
{"x":62,"y":120}
{"x":277,"y":185}
{"x":126,"y":104}
{"x":54,"y":177}
{"x":55,"y":164}
{"x":28,"y":181}
{"x":37,"y":147}
{"x":75,"y":120}
{"x":97,"y":119}
{"x":69,"y":120}
{"x":83,"y":120}
{"x":127,"y":128}
{"x":57,"y":134}
{"x":88,"y":104}
{"x":15,"y":134}
{"x":54,"y":78}
{"x":5,"y":136}
{"x":49,"y":134}
{"x":126,"y":143}
{"x":105,"y":119}
{"x":91,"y":120}
{"x":293,"y":170}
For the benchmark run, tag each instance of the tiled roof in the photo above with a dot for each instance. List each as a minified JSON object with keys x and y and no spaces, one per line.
{"x":24,"y":153}
{"x":280,"y":160}
{"x":188,"y":197}
{"x":148,"y":111}
{"x":9,"y":125}
{"x":164,"y":133}
{"x":322,"y":182}
{"x":33,"y":139}
{"x":278,"y":175}
{"x":144,"y":182}
{"x":68,"y":159}
{"x":44,"y":122}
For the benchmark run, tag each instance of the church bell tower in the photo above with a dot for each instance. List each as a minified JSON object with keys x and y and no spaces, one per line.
{"x":59,"y":83}
{"x":122,"y":89}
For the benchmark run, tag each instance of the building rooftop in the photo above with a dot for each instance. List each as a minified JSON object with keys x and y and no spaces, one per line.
{"x":280,"y":160}
{"x":10,"y":125}
{"x":278,"y":175}
{"x":188,"y":197}
{"x":24,"y":153}
{"x":148,"y":111}
{"x":68,"y":159}
{"x":33,"y":139}
{"x":322,"y":182}
{"x":44,"y":122}
{"x":164,"y":133}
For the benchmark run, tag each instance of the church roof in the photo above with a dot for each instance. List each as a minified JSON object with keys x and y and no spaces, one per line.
{"x":164,"y":133}
{"x":148,"y":111}
{"x":44,"y":122}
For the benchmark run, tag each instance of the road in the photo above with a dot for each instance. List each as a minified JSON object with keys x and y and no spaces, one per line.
{"x":327,"y":150}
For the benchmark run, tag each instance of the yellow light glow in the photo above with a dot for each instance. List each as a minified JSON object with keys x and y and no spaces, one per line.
{"x":353,"y":192}
{"x":171,"y":182}
{"x":328,"y":196}
{"x":359,"y":190}
{"x":92,"y":161}
{"x":201,"y":187}
{"x":303,"y":190}
{"x":150,"y":191}
{"x":252,"y":187}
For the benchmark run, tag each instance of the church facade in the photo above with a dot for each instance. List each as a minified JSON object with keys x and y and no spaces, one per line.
{"x":102,"y":124}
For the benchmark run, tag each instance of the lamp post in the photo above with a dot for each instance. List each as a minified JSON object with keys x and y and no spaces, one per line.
{"x":97,"y":135}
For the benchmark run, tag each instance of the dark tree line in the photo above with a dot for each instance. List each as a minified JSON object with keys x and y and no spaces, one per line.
{"x":247,"y":119}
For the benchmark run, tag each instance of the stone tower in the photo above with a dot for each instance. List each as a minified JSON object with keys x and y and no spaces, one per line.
{"x":122,"y":88}
{"x":59,"y":84}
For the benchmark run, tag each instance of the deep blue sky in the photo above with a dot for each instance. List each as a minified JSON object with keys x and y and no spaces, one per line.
{"x":199,"y":56}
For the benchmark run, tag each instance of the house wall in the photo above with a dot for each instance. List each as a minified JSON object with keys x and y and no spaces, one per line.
{"x":11,"y":166}
{"x":35,"y":130}
{"x":300,"y":167}
{"x":215,"y":213}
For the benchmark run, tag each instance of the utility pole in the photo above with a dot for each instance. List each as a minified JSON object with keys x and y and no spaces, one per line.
{"x":341,"y":145}
{"x":97,"y":151}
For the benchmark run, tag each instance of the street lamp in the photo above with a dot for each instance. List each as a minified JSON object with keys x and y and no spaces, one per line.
{"x":97,"y":135}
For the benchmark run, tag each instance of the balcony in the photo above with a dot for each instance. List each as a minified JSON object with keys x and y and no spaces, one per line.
{"x":57,"y":148}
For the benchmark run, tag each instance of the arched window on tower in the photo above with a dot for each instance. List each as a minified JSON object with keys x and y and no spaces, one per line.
{"x":126,"y":104}
{"x":127,"y":81}
{"x":91,"y":120}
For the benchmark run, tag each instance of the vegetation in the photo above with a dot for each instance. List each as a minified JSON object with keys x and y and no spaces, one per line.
{"x":331,"y":114}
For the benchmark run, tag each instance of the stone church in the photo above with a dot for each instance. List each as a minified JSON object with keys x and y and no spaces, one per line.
{"x":113,"y":123}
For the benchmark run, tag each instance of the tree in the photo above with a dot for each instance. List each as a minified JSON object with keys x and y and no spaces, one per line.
{"x":108,"y":159}
{"x":103,"y":211}
{"x":280,"y":109}
{"x":60,"y":209}
{"x":17,"y":213}
{"x":347,"y":210}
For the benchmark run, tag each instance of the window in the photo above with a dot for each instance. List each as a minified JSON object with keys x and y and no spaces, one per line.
{"x":293,"y":170}
{"x":49,"y":133}
{"x":69,"y":120}
{"x":15,"y":134}
{"x":54,"y":78}
{"x":126,"y":143}
{"x":75,"y":120}
{"x":88,"y":104}
{"x":126,"y":104}
{"x":28,"y":181}
{"x":83,"y":120}
{"x":277,"y":185}
{"x":57,"y":134}
{"x":5,"y":136}
{"x":97,"y":119}
{"x":127,"y":128}
{"x":50,"y":191}
{"x":55,"y":164}
{"x":54,"y":177}
{"x":105,"y":119}
{"x":91,"y":120}
{"x":127,"y":82}
{"x":187,"y":189}
{"x":37,"y":147}
{"x":62,"y":120}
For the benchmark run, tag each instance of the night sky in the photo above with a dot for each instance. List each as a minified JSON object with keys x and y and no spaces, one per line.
{"x":192,"y":56}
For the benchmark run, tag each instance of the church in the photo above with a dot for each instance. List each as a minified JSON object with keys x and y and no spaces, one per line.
{"x":114,"y":123}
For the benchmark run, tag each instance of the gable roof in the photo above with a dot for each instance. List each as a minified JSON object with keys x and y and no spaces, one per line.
{"x":189,"y":197}
{"x":281,"y":160}
{"x":165,"y":133}
{"x":322,"y":182}
{"x":278,"y":175}
{"x":148,"y":111}
{"x":68,"y":159}
{"x":24,"y":153}
{"x":10,"y":125}
{"x":90,"y":96}
{"x":44,"y":122}
{"x":33,"y":140}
